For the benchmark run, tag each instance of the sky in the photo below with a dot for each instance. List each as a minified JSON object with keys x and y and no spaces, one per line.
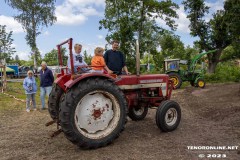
{"x":79,"y":19}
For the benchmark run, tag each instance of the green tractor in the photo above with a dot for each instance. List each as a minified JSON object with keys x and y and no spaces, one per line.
{"x":193,"y":75}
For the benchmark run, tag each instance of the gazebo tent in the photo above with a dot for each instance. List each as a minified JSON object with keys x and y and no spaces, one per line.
{"x":8,"y":70}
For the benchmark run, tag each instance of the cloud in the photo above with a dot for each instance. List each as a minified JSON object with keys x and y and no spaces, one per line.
{"x":100,"y":36}
{"x":46,"y":33}
{"x":84,"y":3}
{"x":11,"y":24}
{"x":13,"y":45}
{"x":214,"y":7}
{"x":76,"y":12}
{"x":182,"y":21}
{"x":23,"y":55}
{"x":89,"y":47}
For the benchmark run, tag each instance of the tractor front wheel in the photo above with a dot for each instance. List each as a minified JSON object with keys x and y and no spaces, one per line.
{"x":138,"y":113}
{"x":93,"y":113}
{"x":168,"y":116}
{"x":201,"y":83}
{"x":177,"y":81}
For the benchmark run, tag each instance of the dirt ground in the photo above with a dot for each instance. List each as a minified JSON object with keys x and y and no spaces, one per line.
{"x":210,"y":117}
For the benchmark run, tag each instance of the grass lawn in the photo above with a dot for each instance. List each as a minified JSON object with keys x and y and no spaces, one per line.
{"x":16,"y":89}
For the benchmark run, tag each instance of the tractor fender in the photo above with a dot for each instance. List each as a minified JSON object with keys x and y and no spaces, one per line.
{"x":74,"y":81}
{"x":197,"y":78}
{"x":61,"y":80}
{"x":177,"y":72}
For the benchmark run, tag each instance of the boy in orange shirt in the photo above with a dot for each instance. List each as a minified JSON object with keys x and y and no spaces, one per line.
{"x":98,"y":61}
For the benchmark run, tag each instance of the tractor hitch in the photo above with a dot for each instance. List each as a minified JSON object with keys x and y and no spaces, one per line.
{"x":55,"y":133}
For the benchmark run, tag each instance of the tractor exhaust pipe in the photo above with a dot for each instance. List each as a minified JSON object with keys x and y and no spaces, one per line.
{"x":137,"y":58}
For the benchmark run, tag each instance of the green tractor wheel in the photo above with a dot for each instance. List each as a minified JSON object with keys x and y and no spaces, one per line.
{"x":177,"y":81}
{"x":201,"y":83}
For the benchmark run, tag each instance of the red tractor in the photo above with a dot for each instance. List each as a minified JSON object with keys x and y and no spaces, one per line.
{"x":92,"y":108}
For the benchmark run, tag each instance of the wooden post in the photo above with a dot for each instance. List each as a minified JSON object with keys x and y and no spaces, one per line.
{"x":4,"y":77}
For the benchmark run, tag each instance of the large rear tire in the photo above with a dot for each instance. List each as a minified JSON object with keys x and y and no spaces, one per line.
{"x":168,"y":116}
{"x":53,"y":101}
{"x":93,"y":113}
{"x":138,"y":113}
{"x":177,"y":81}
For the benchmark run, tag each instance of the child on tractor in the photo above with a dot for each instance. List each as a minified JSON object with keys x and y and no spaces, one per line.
{"x":98,"y":63}
{"x":78,"y":60}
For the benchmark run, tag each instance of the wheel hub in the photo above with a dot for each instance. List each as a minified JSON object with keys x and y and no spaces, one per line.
{"x":175,"y":80}
{"x":97,"y":113}
{"x":171,"y":116}
{"x":138,"y":111}
{"x":94,"y":113}
{"x":200,"y":83}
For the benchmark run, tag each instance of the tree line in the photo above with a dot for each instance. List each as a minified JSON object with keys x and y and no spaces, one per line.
{"x":138,"y":19}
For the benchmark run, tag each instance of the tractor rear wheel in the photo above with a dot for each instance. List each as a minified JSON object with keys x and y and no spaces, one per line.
{"x":177,"y":81}
{"x":93,"y":113}
{"x":168,"y":116}
{"x":53,"y":101}
{"x":138,"y":113}
{"x":201,"y":83}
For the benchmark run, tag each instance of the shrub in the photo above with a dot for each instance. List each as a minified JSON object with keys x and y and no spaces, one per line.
{"x":225,"y":72}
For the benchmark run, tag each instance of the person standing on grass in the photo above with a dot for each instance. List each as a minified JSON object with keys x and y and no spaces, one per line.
{"x":30,"y":86}
{"x":46,"y":81}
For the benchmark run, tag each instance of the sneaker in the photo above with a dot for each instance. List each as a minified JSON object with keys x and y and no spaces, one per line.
{"x":28,"y":110}
{"x":43,"y":108}
{"x":35,"y":109}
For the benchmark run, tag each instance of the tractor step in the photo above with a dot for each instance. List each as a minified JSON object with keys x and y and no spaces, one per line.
{"x":50,"y":123}
{"x":56,"y":133}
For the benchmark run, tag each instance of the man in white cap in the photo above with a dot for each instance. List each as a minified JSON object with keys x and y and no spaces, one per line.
{"x":46,"y":81}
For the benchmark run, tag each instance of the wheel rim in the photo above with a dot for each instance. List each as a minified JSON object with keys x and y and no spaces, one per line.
{"x":171,"y":116}
{"x":97,"y":114}
{"x":175,"y":80}
{"x":200,"y":83}
{"x":138,"y":111}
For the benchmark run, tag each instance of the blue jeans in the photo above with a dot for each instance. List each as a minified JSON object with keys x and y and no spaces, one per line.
{"x":43,"y":92}
{"x":29,"y":98}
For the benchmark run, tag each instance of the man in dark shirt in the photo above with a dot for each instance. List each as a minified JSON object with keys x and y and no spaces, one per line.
{"x":115,"y":59}
{"x":46,"y":81}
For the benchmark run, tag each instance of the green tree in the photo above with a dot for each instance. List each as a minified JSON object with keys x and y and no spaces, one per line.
{"x":36,"y":56}
{"x":212,"y":35}
{"x":6,"y":49}
{"x":17,"y":58}
{"x":33,"y":15}
{"x":52,"y":57}
{"x":87,"y":57}
{"x":230,"y":53}
{"x":172,"y":46}
{"x":231,"y":18}
{"x":124,"y":19}
{"x":158,"y":58}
